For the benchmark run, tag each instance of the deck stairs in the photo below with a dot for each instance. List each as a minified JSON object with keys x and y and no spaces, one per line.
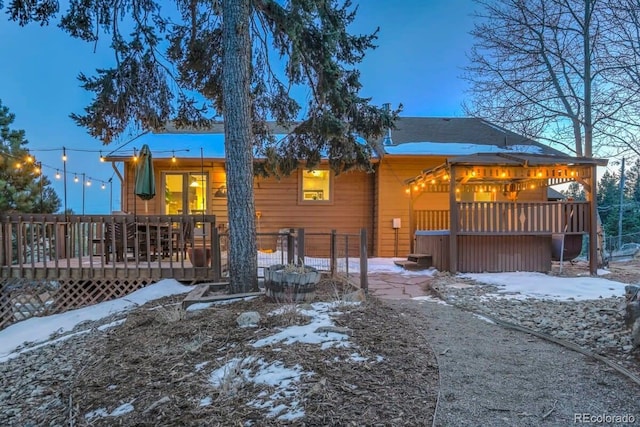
{"x":416,"y":262}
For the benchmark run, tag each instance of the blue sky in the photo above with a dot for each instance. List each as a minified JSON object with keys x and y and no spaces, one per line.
{"x":421,"y":50}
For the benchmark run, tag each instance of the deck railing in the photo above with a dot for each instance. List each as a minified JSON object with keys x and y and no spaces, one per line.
{"x":525,"y":218}
{"x":109,"y":246}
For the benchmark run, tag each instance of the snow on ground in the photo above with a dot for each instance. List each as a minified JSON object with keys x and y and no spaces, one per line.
{"x":541,"y":286}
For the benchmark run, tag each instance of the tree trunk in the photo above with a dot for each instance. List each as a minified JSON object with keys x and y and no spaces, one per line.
{"x":243,"y":257}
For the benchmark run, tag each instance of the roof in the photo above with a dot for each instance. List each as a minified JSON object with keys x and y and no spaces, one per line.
{"x":457,"y":136}
{"x":413,"y":136}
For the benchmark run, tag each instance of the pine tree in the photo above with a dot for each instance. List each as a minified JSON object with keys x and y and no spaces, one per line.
{"x":243,"y":60}
{"x":23,"y":186}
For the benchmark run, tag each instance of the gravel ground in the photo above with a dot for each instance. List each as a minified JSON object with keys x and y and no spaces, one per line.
{"x":491,"y":376}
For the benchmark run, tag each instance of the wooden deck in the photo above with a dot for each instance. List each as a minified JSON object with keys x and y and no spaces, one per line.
{"x":97,"y":247}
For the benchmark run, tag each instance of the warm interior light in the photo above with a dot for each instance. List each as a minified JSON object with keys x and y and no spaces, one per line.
{"x":457,"y":190}
{"x":433,"y":181}
{"x":503,"y":174}
{"x":407,"y":190}
{"x":539,"y":173}
{"x":473,"y":173}
{"x":416,"y":188}
{"x":445,"y":177}
{"x":422,"y":184}
{"x":194,"y":182}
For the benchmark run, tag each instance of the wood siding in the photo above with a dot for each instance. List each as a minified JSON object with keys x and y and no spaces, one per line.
{"x":278,"y":202}
{"x":394,"y":202}
{"x":350,"y":209}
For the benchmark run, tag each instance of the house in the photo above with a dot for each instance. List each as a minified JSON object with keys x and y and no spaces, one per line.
{"x":432,"y":172}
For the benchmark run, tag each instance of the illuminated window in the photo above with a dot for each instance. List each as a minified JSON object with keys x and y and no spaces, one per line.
{"x":316,"y":186}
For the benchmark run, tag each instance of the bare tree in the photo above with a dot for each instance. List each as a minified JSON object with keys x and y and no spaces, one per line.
{"x":557,"y":70}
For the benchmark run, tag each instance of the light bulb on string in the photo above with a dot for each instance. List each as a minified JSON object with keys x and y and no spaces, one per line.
{"x":57,"y":174}
{"x":75,"y":178}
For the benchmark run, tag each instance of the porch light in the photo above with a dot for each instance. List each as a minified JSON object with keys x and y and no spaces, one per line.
{"x":135,"y":155}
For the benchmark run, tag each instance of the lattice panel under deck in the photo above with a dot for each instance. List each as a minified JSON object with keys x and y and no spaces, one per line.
{"x":21,"y":299}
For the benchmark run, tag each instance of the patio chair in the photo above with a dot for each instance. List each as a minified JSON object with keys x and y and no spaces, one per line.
{"x":115,"y":240}
{"x":181,"y":238}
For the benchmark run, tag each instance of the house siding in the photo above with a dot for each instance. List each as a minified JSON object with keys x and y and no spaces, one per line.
{"x":394,"y":202}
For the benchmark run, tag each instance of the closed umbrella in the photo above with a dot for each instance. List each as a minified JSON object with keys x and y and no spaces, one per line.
{"x":145,"y":183}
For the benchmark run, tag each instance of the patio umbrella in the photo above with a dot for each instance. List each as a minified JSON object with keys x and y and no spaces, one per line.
{"x":145,"y":183}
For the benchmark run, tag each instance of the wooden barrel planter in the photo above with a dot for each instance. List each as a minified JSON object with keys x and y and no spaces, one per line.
{"x":285,"y":283}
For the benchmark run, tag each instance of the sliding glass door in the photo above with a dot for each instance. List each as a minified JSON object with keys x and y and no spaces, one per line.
{"x":185,"y":192}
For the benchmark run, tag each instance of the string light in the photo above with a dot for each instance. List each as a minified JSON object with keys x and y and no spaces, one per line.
{"x":101,"y":157}
{"x":57,"y":174}
{"x":64,"y":154}
{"x":103,"y":186}
{"x":75,"y":178}
{"x":173,"y":157}
{"x":89,"y":183}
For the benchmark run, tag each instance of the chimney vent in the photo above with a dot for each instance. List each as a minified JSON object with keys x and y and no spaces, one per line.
{"x":387,"y":139}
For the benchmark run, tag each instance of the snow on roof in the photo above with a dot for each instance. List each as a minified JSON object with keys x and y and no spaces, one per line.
{"x":453,"y":148}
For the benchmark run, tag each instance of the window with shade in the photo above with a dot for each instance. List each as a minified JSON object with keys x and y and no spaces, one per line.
{"x":315,"y":186}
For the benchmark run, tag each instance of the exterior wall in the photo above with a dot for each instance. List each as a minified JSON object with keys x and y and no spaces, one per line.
{"x":277,"y":200}
{"x":351,"y":207}
{"x":394,"y":202}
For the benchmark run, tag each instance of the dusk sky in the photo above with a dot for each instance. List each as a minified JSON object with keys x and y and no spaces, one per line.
{"x":422,"y":48}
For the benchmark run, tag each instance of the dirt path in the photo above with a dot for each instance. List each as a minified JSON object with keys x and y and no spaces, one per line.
{"x":498,"y":377}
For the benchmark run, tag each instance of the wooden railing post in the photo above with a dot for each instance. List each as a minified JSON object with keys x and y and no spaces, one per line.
{"x":216,"y":262}
{"x":364,"y":281}
{"x":333,"y":249}
{"x":291,"y":255}
{"x":301,"y":253}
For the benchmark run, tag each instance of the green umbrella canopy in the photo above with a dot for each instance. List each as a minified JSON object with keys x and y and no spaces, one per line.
{"x":145,"y":183}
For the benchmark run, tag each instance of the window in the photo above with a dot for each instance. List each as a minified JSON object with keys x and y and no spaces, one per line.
{"x":316,"y":186}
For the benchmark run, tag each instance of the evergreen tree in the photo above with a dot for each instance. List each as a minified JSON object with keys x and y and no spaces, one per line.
{"x":23,"y":186}
{"x":575,"y":191}
{"x":609,"y":202}
{"x":244,"y":58}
